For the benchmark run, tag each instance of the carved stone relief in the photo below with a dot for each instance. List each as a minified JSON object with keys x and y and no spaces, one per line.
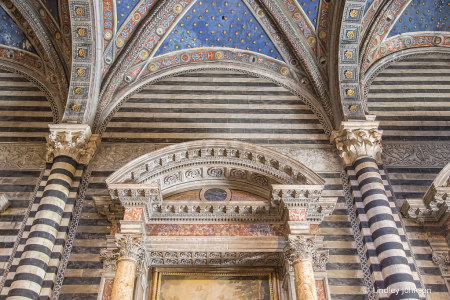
{"x":416,"y":154}
{"x":320,"y":159}
{"x":28,"y":156}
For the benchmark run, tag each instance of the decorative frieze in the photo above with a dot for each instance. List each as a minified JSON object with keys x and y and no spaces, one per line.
{"x":74,"y":140}
{"x":430,"y":154}
{"x":356,"y":139}
{"x":16,"y":156}
{"x":198,"y":258}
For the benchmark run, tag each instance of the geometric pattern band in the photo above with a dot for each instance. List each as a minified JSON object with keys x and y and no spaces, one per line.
{"x":387,"y":251}
{"x":45,"y":232}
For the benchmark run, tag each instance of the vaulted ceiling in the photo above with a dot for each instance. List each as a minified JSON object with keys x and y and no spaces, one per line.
{"x":90,"y":57}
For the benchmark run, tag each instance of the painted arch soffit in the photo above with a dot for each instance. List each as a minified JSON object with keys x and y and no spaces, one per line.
{"x":299,"y":88}
{"x":213,"y":161}
{"x":134,"y":60}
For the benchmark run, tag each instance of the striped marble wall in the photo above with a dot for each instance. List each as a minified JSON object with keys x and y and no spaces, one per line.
{"x":411,"y":98}
{"x":24,"y":110}
{"x":83,"y":272}
{"x":409,"y":183}
{"x":19,"y":186}
{"x":215,"y":104}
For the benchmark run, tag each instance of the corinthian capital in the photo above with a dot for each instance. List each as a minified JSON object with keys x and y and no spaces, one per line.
{"x":74,"y":140}
{"x":131,"y":248}
{"x":356,"y":139}
{"x":300,"y":248}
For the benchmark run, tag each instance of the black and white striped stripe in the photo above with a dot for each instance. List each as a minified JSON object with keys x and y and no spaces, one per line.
{"x":25,"y":111}
{"x":411,"y":99}
{"x":45,"y":234}
{"x":386,"y":248}
{"x":215,"y":104}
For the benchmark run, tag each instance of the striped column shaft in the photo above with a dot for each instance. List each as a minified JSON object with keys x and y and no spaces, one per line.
{"x":385,"y":236}
{"x":30,"y":273}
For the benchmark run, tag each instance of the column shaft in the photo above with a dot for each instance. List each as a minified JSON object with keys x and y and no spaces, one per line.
{"x":305,"y":284}
{"x":123,"y":286}
{"x":30,"y":274}
{"x":383,"y":229}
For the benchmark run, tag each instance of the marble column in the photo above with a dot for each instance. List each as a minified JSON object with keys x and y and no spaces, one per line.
{"x":359,"y":145}
{"x":300,"y":252}
{"x":131,"y":252}
{"x":69,"y":147}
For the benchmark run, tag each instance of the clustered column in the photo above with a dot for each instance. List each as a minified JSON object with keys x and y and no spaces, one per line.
{"x":359,"y":145}
{"x":67,"y":146}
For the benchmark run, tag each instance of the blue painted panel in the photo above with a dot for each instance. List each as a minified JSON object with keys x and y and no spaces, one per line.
{"x":215,"y":194}
{"x":423,"y":15}
{"x":217,"y":24}
{"x":311,"y":8}
{"x":11,"y":35}
{"x":52,"y":6}
{"x":368,"y":4}
{"x":124,"y":7}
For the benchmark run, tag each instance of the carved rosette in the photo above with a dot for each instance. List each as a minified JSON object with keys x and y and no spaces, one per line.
{"x":357,"y":139}
{"x":300,"y":248}
{"x":130,"y":248}
{"x":74,"y":140}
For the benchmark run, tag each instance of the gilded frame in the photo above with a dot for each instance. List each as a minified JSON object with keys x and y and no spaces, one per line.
{"x":270,"y":272}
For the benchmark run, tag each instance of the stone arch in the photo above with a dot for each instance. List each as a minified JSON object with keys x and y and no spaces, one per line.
{"x":289,"y":83}
{"x":392,"y":58}
{"x":183,"y":166}
{"x":42,"y":83}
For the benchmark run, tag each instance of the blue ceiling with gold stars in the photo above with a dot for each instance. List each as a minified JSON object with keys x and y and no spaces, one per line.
{"x":11,"y":35}
{"x":123,"y":8}
{"x":218,"y":24}
{"x":423,"y":15}
{"x":52,"y":6}
{"x":311,"y":9}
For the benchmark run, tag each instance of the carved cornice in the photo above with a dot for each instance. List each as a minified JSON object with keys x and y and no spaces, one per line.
{"x":74,"y":140}
{"x":434,"y":208}
{"x":229,"y":155}
{"x":305,"y":197}
{"x":113,"y":210}
{"x":442,"y":260}
{"x":130,"y":248}
{"x":146,"y":196}
{"x":356,"y":139}
{"x":300,"y":248}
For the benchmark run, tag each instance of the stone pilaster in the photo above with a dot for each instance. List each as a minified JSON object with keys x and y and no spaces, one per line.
{"x":69,"y":147}
{"x":300,"y":252}
{"x":130,"y":254}
{"x":359,"y":145}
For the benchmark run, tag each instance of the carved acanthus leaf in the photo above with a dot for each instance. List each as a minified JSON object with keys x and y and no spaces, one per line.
{"x":299,"y":248}
{"x":357,"y":139}
{"x":130,"y":247}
